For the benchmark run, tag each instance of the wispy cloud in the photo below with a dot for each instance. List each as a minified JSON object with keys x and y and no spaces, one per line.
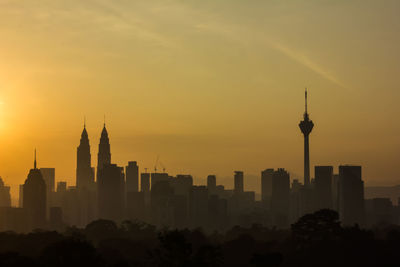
{"x":306,"y":62}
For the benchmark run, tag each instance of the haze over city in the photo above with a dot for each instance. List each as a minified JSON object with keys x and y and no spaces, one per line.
{"x":209,"y":87}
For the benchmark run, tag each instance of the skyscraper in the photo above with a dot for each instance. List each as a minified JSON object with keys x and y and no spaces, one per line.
{"x":84,"y":170}
{"x":351,"y":195}
{"x":238,"y":182}
{"x":110,"y":192}
{"x":145,"y":182}
{"x":211,"y":184}
{"x":306,"y":126}
{"x":132,"y":177}
{"x":34,"y":200}
{"x":104,"y":155}
{"x":266,"y":187}
{"x":5,"y":197}
{"x":280,"y":197}
{"x":323,"y":187}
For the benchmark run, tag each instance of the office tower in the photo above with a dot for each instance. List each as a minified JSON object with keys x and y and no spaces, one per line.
{"x":238,"y":182}
{"x":351,"y":195}
{"x":49,"y":178}
{"x":323,"y":187}
{"x":84,"y":170}
{"x":145,"y":182}
{"x":132,"y":177}
{"x":34,"y":202}
{"x":85,"y":184}
{"x":110,"y":192}
{"x":280,"y":197}
{"x":295,"y":200}
{"x":21,"y":196}
{"x":161,"y":204}
{"x":198,"y":206}
{"x":306,"y":126}
{"x":104,"y":154}
{"x":211,"y":183}
{"x":266,"y":187}
{"x":48,"y":175}
{"x":182,"y":184}
{"x":5,"y":197}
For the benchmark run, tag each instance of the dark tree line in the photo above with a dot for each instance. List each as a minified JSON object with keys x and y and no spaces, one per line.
{"x":316,"y":239}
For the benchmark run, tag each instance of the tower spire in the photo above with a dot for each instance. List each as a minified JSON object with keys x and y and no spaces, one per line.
{"x":84,"y":121}
{"x":34,"y":162}
{"x":305,"y":95}
{"x":306,"y":126}
{"x":104,"y":120}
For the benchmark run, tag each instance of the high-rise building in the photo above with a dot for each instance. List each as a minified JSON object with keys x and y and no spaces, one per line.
{"x":238,"y":182}
{"x":21,"y":196}
{"x":48,"y":175}
{"x":211,"y":184}
{"x":5,"y":197}
{"x":132,"y":177}
{"x":323,"y":187}
{"x":266,"y":187}
{"x":34,"y":200}
{"x":84,"y":170}
{"x":110,"y":192}
{"x":104,"y":154}
{"x":145,"y":182}
{"x":280,"y":197}
{"x":351,"y":195}
{"x":306,"y":126}
{"x":198,"y":206}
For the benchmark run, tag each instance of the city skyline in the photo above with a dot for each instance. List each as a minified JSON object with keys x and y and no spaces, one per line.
{"x":218,"y":85}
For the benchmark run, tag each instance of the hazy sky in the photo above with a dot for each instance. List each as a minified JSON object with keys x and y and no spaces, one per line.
{"x":210,"y":86}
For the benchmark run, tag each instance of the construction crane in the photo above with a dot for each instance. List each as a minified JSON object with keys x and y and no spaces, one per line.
{"x":155,"y":165}
{"x":162,"y":165}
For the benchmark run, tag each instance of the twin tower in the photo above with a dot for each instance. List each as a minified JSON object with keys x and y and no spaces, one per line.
{"x":84,"y":170}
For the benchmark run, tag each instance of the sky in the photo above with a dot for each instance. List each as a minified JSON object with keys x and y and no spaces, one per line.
{"x":209,"y":86}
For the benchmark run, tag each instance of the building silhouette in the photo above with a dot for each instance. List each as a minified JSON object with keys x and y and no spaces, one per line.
{"x":5,"y":197}
{"x":145,"y":182}
{"x":84,"y":170}
{"x":266,"y":187}
{"x":280,"y":197}
{"x":211,"y":184}
{"x":306,"y":126}
{"x":111,"y":192}
{"x":49,"y":177}
{"x":132,"y":177}
{"x":238,"y":182}
{"x":351,"y":195}
{"x":34,"y":201}
{"x":104,"y":154}
{"x":323,"y":187}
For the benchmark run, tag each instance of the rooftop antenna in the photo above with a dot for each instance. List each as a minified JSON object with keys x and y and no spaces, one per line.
{"x":34,"y":163}
{"x":104,"y":120}
{"x":84,"y":121}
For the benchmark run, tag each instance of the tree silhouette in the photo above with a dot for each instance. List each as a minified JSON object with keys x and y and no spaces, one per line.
{"x":321,"y":225}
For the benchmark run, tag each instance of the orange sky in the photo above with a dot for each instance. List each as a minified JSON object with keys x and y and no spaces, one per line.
{"x":210,"y":86}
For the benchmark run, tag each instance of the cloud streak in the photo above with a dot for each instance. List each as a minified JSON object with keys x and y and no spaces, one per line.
{"x":306,"y":62}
